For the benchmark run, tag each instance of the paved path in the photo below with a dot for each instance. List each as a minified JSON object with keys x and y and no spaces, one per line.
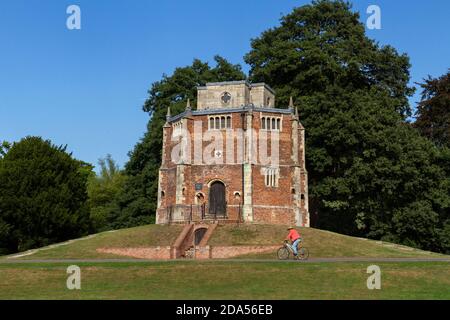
{"x":311,"y":260}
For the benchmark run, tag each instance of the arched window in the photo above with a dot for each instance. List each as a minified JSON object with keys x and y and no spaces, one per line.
{"x":220,"y":122}
{"x":271,"y":123}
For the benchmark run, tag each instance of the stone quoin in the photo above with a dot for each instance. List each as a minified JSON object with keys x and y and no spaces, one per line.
{"x":235,"y":158}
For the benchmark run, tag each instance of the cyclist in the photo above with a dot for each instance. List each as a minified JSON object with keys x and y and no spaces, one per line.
{"x":295,"y":238}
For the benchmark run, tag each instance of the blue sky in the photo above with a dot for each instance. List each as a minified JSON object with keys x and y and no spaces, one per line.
{"x":85,"y":88}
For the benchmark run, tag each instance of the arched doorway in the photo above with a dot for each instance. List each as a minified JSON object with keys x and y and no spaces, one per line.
{"x":198,"y":235}
{"x":217,"y":202}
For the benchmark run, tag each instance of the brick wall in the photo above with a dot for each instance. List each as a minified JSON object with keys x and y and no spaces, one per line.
{"x":225,"y":252}
{"x":154,"y":253}
{"x":270,"y":204}
{"x":274,"y":215}
{"x":201,"y":253}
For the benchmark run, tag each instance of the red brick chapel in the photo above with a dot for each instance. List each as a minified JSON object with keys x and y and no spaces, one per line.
{"x":235,"y":158}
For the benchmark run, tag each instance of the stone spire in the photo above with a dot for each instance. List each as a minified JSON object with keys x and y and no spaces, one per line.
{"x":188,"y":105}
{"x":250,"y":100}
{"x":168,"y":114}
{"x":291,"y":103}
{"x":293,"y":108}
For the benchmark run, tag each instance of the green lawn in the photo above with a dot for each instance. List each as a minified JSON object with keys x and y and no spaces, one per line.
{"x":226,"y":280}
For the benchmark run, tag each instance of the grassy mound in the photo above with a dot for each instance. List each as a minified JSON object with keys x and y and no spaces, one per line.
{"x":321,"y":244}
{"x":85,"y":248}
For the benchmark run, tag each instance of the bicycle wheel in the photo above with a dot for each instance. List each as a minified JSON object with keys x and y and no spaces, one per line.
{"x":283,"y":253}
{"x":303,"y":253}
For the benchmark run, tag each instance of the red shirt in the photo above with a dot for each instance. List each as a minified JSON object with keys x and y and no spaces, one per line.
{"x":293,"y":235}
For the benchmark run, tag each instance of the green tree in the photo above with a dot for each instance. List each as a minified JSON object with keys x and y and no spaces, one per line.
{"x":42,"y":195}
{"x":322,"y":45}
{"x":138,"y":201}
{"x":370,"y":173}
{"x":103,"y":191}
{"x":433,"y":111}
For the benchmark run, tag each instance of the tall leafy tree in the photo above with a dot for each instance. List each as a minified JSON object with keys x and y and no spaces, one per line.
{"x":42,"y":195}
{"x":138,"y":202}
{"x":433,"y":111}
{"x":321,"y":45}
{"x":103,"y":191}
{"x":370,"y":172}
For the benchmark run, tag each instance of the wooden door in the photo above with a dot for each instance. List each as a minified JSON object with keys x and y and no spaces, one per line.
{"x":217,"y":202}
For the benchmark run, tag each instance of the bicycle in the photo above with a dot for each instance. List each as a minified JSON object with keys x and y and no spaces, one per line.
{"x":285,"y":251}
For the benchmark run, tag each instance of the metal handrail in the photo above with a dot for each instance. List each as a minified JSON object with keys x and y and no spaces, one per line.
{"x":192,"y":212}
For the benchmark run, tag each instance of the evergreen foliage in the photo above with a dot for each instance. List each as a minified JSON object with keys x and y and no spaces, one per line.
{"x":42,"y":196}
